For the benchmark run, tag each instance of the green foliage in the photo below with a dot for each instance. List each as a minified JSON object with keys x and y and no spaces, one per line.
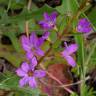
{"x":74,"y":94}
{"x":10,"y":82}
{"x":68,"y":7}
{"x":91,"y":16}
{"x":13,"y":24}
{"x":87,"y":91}
{"x":14,"y":40}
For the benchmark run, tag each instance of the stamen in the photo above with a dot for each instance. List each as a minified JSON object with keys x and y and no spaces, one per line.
{"x":30,"y":73}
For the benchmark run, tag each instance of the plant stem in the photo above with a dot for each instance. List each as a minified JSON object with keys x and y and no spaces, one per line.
{"x":27,"y":22}
{"x":67,"y":85}
{"x":27,"y":28}
{"x":47,"y":52}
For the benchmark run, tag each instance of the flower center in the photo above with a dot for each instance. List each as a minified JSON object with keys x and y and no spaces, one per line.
{"x":51,"y":23}
{"x":30,"y":73}
{"x":33,"y":48}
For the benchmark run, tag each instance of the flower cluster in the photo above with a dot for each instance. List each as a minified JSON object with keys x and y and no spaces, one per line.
{"x":49,"y":22}
{"x":32,"y":46}
{"x":27,"y":71}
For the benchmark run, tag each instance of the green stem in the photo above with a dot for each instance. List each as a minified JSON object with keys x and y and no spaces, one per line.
{"x":27,"y":22}
{"x":9,"y":4}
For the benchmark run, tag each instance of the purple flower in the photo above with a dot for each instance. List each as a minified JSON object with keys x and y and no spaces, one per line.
{"x":69,"y":50}
{"x":45,"y":35}
{"x":84,"y":26}
{"x":31,"y":45}
{"x":28,"y":74}
{"x":49,"y":22}
{"x":43,"y":38}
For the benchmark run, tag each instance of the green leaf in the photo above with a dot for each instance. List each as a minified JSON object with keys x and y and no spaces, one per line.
{"x":12,"y":58}
{"x":73,"y":94}
{"x":61,"y":23}
{"x":14,"y":40}
{"x":57,"y":44}
{"x":81,"y":58}
{"x":12,"y":81}
{"x":67,"y":7}
{"x":92,"y":16}
{"x":53,"y":36}
{"x":26,"y":15}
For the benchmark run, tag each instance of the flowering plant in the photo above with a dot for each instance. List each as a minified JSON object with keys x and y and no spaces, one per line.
{"x":49,"y":49}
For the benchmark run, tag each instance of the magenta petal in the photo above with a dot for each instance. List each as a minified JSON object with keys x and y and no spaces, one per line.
{"x":46,"y":35}
{"x":25,"y":66}
{"x":34,"y":60}
{"x":33,"y":63}
{"x":71,"y":49}
{"x":25,"y":43}
{"x":45,"y":24}
{"x":41,"y":41}
{"x":40,"y":52}
{"x":79,"y":28}
{"x":23,"y":81}
{"x":46,"y":16}
{"x":33,"y":39}
{"x":32,"y":82}
{"x":70,"y":61}
{"x":20,"y":72}
{"x":64,"y":53}
{"x":53,"y":16}
{"x":42,"y":22}
{"x":39,"y":73}
{"x":29,"y":55}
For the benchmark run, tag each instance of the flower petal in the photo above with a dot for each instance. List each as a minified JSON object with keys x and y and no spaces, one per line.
{"x":39,"y":73}
{"x":25,"y":67}
{"x":25,"y":43}
{"x":42,"y":22}
{"x":34,"y":60}
{"x":33,"y":39}
{"x":20,"y":72}
{"x":70,"y":61}
{"x":40,"y":41}
{"x":70,"y":49}
{"x":32,"y":82}
{"x":46,"y":16}
{"x":46,"y":35}
{"x":33,"y":63}
{"x":29,"y":55}
{"x":53,"y":17}
{"x":40,"y":52}
{"x":23,"y":81}
{"x":45,"y":24}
